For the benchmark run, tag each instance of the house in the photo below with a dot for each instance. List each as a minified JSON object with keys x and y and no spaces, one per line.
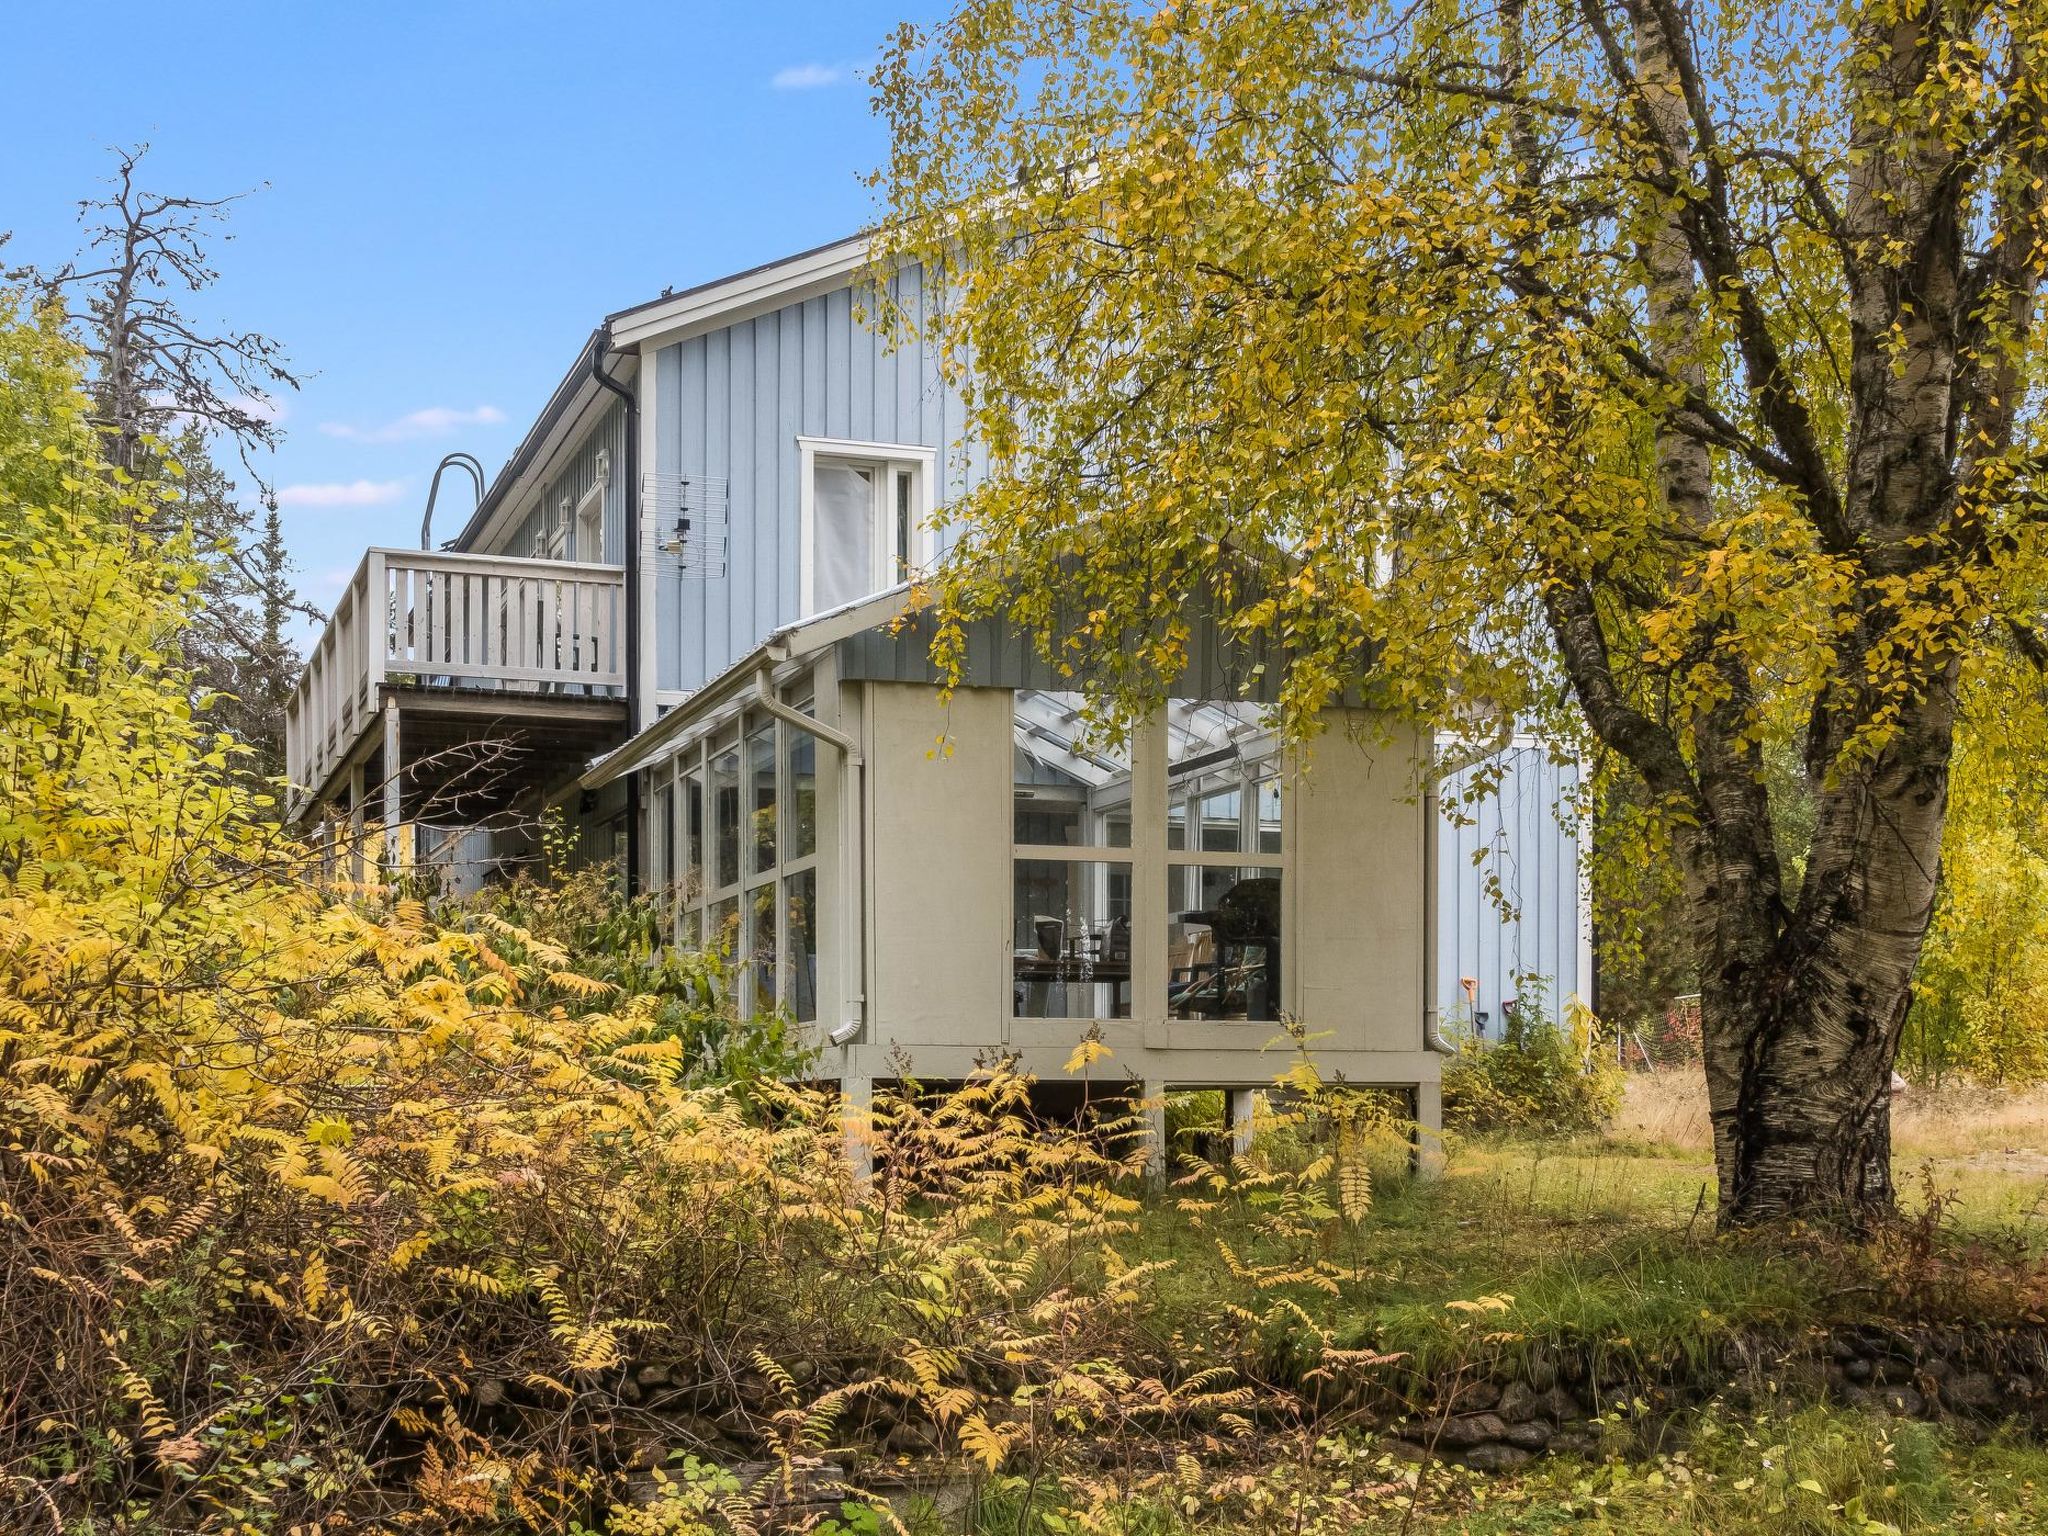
{"x":683,"y":613}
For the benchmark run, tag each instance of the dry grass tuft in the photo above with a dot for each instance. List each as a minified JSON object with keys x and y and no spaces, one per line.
{"x":1986,"y":1146}
{"x":1664,"y":1109}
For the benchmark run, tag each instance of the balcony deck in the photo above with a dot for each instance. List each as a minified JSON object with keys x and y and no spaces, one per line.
{"x":528,"y":655}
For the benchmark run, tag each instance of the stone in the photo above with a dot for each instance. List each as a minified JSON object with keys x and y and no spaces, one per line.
{"x":489,"y":1391}
{"x":1532,"y":1436}
{"x":1973,"y":1389}
{"x":1494,"y":1457}
{"x":652,"y":1376}
{"x":1576,"y":1440}
{"x":1540,"y":1373}
{"x":908,"y":1439}
{"x":1519,"y":1402}
{"x":1475,"y":1397}
{"x":1465,"y":1431}
{"x":1904,"y":1401}
{"x":1857,"y":1369}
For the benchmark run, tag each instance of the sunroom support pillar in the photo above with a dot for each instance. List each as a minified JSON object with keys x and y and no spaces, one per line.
{"x":1152,"y":1105}
{"x":1426,"y":1154}
{"x":856,"y":1118}
{"x":1239,"y":1106}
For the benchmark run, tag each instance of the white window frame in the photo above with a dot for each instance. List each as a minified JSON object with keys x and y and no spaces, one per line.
{"x":690,"y":915}
{"x":885,"y":459}
{"x":590,"y":526}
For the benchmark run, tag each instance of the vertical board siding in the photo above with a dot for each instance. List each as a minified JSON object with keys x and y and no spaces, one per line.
{"x":1525,"y":837}
{"x":572,"y":475}
{"x":732,"y":403}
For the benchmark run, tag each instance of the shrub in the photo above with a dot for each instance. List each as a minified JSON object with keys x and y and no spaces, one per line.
{"x":1540,"y":1076}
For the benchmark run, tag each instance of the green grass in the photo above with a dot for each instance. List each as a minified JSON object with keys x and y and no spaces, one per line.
{"x":1813,"y":1472}
{"x":1605,"y":1248}
{"x":1594,"y":1248}
{"x":1804,"y":1472}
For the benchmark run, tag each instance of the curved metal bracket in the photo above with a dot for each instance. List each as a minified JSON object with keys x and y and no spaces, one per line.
{"x":467,"y":461}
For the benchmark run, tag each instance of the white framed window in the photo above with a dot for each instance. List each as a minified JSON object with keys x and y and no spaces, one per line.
{"x":736,"y":835}
{"x":590,"y":526}
{"x":864,"y":515}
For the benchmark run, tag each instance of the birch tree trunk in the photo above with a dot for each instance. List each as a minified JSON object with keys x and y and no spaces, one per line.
{"x":1802,"y":1009}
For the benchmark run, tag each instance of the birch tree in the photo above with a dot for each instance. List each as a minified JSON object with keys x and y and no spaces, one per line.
{"x":1665,"y":376}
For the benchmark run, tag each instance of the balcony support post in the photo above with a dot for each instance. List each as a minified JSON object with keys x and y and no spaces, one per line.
{"x":394,"y":808}
{"x":355,"y":824}
{"x":374,"y":612}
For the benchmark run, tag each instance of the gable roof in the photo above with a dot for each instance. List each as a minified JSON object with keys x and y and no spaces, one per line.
{"x":655,"y":323}
{"x":727,"y":300}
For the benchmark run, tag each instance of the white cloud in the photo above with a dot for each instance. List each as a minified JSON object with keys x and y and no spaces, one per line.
{"x":340,"y":493}
{"x":263,"y":407}
{"x":809,"y":77}
{"x":433,"y":421}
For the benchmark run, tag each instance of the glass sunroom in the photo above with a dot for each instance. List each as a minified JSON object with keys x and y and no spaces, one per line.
{"x":932,"y":877}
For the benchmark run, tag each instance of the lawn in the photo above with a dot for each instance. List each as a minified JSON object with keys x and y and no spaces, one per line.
{"x":1603,"y":1246}
{"x":1607,"y":1243}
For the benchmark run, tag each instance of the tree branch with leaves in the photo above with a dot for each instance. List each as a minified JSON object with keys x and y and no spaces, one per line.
{"x":1665,"y":377}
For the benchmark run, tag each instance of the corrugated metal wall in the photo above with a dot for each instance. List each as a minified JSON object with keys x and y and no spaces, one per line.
{"x":1525,"y":838}
{"x":999,"y":655}
{"x":572,"y":476}
{"x":732,"y":404}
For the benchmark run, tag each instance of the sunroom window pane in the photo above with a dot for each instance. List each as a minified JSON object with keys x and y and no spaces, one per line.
{"x":722,"y":930}
{"x":761,"y":949}
{"x":1222,"y":777}
{"x":693,"y":837}
{"x":1268,"y":800}
{"x":1072,"y":939}
{"x":761,"y":796}
{"x":800,"y":920}
{"x":1071,"y":787}
{"x":664,"y":843}
{"x":725,"y":806}
{"x":800,"y":816}
{"x":1222,"y":942}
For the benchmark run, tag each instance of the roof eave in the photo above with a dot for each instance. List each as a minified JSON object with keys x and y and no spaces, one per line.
{"x":804,"y":637}
{"x":568,"y":410}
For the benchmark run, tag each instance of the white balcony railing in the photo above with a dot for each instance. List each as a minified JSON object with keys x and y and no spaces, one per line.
{"x":433,"y":620}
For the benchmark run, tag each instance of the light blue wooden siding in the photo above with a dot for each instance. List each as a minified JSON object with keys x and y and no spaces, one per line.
{"x":731,"y":404}
{"x":571,"y":475}
{"x":1527,"y":839}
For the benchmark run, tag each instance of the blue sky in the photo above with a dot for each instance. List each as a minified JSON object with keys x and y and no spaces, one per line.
{"x":456,"y":193}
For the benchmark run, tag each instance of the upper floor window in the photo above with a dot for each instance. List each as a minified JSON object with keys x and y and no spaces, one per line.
{"x":590,"y":526}
{"x":865,"y":510}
